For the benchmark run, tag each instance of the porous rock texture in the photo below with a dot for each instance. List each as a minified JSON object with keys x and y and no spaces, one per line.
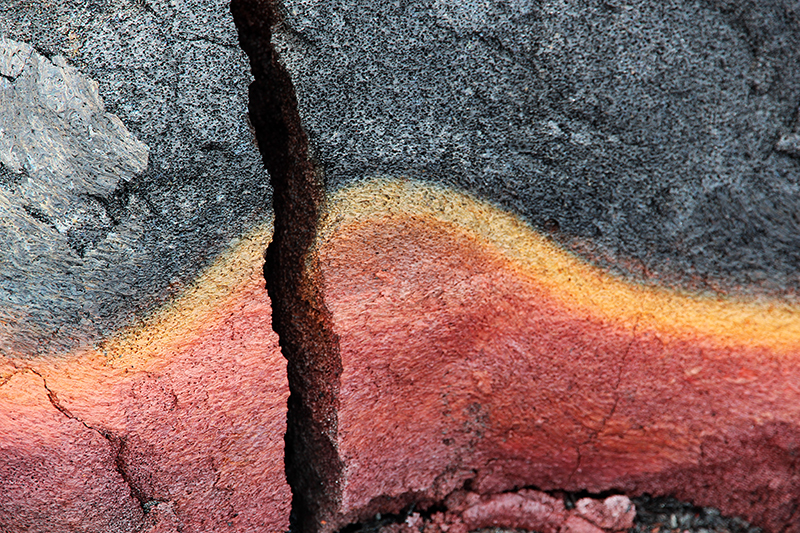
{"x":142,"y":387}
{"x":525,"y":509}
{"x":534,"y":244}
{"x":518,"y":244}
{"x":86,"y":209}
{"x":176,"y":424}
{"x":527,"y":367}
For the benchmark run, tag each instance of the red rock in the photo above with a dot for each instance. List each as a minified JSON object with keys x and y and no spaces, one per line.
{"x":56,"y":474}
{"x":473,"y":351}
{"x":615,"y":513}
{"x":525,"y":509}
{"x":161,"y":519}
{"x":446,"y":523}
{"x":176,"y":425}
{"x":576,"y":524}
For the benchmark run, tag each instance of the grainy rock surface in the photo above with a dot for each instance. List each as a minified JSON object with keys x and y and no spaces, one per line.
{"x":61,"y":156}
{"x":647,"y":128}
{"x":56,"y":473}
{"x":660,"y":140}
{"x":141,"y":385}
{"x":511,"y":363}
{"x":102,"y":251}
{"x":654,"y":139}
{"x":174,"y":426}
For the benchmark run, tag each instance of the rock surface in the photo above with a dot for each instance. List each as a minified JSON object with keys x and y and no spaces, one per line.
{"x":175,"y":425}
{"x":432,"y":345}
{"x":57,"y":474}
{"x":94,"y":254}
{"x":521,"y":510}
{"x":439,"y":345}
{"x":648,"y":129}
{"x":141,"y":385}
{"x":511,"y":363}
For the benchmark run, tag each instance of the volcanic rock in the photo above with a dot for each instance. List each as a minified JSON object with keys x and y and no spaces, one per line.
{"x":533,"y":244}
{"x":141,"y":385}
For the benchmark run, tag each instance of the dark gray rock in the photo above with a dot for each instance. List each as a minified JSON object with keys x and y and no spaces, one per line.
{"x":639,"y":132}
{"x":92,"y":242}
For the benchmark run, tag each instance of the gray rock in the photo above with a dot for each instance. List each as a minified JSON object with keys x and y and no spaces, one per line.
{"x":94,"y":242}
{"x":644,"y":132}
{"x":789,"y":144}
{"x":54,"y":129}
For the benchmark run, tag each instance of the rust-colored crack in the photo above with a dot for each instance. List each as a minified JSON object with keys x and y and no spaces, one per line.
{"x":620,"y":369}
{"x":5,"y":379}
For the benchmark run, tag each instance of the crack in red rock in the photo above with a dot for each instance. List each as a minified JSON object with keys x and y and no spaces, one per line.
{"x":217,"y":478}
{"x":6,"y":379}
{"x":117,"y":444}
{"x":299,"y":315}
{"x":615,"y":388}
{"x":593,"y":433}
{"x":53,"y":398}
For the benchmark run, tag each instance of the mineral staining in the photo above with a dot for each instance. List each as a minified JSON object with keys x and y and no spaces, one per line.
{"x":511,"y":362}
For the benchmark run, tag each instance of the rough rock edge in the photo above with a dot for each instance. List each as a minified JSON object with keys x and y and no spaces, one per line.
{"x":300,"y":318}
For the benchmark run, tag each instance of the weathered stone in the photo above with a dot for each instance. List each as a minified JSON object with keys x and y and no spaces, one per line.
{"x":647,"y":129}
{"x":789,"y":144}
{"x":435,"y":341}
{"x":188,"y":409}
{"x":134,"y":214}
{"x":60,"y":152}
{"x":464,"y":333}
{"x":615,"y":513}
{"x":56,"y":473}
{"x":611,"y":306}
{"x":525,"y":509}
{"x":102,"y":239}
{"x":576,"y":524}
{"x":530,"y":510}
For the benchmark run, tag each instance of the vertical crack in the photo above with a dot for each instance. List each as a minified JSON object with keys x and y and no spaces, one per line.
{"x":618,"y":382}
{"x":119,"y":445}
{"x":603,"y":421}
{"x":299,"y":316}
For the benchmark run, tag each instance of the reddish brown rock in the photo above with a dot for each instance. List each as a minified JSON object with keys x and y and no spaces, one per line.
{"x":436,"y":344}
{"x":615,"y":513}
{"x":475,"y":352}
{"x":523,"y":509}
{"x":576,"y":524}
{"x":175,"y":425}
{"x":526,"y":509}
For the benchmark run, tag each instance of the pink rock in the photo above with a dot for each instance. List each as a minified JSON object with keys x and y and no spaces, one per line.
{"x":526,"y":509}
{"x":576,"y":524}
{"x":56,"y":474}
{"x":615,"y":512}
{"x":181,"y":428}
{"x":161,"y":519}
